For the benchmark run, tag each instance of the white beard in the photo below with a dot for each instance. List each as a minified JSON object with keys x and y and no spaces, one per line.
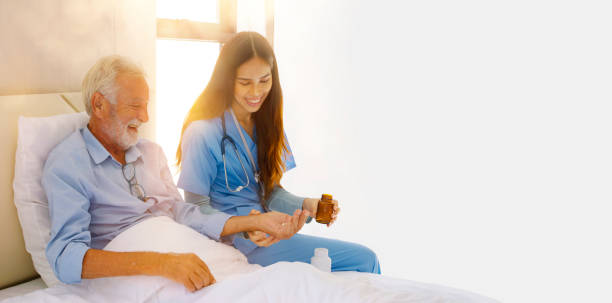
{"x":119,"y":131}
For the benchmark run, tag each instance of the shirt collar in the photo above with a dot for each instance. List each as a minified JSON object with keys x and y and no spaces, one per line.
{"x":231,"y":129}
{"x":132,"y":154}
{"x":98,"y":153}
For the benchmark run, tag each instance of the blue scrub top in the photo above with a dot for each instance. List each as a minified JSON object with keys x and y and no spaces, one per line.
{"x":202,"y":165}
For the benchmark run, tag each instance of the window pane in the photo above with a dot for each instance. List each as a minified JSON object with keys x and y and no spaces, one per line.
{"x":196,"y":10}
{"x":183,"y":70}
{"x":251,"y":16}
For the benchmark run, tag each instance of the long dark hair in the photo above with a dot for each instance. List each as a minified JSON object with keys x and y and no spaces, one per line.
{"x":219,"y":94}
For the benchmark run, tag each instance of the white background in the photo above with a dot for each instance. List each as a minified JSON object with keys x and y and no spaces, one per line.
{"x":467,"y":141}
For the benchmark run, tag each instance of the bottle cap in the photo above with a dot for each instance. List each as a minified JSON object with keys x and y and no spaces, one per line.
{"x":320,"y":252}
{"x":326,"y":197}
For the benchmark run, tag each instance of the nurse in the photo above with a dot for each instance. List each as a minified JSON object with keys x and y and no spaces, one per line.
{"x":233,"y":153}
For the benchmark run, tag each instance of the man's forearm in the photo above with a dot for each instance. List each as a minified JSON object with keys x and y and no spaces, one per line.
{"x":277,"y":224}
{"x":238,"y":224}
{"x":101,"y":263}
{"x":187,"y":269}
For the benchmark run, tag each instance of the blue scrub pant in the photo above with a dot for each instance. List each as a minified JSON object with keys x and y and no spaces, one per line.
{"x":344,"y":255}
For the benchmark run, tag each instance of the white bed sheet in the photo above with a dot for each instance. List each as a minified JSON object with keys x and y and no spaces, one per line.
{"x":22,"y":289}
{"x":281,"y":282}
{"x":238,"y":281}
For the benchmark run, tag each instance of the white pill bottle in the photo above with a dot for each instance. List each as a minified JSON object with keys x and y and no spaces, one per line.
{"x":321,"y":260}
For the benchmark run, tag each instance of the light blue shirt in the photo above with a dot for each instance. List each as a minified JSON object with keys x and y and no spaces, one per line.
{"x":202,"y":170}
{"x":90,"y":201}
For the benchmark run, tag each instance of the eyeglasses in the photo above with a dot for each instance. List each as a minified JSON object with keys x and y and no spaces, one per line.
{"x":129,"y":173}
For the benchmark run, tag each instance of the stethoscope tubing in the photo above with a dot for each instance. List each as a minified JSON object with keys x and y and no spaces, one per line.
{"x":229,"y":139}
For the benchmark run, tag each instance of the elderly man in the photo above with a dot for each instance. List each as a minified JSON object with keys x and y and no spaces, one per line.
{"x":103,"y":179}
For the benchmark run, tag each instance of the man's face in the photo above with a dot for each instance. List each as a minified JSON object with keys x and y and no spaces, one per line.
{"x":129,"y":112}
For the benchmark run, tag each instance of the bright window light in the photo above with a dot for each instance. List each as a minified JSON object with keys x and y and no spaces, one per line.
{"x":251,"y":16}
{"x":183,"y":70}
{"x":195,"y":10}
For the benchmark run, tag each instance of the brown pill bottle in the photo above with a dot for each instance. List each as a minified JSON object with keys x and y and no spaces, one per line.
{"x":325,"y":208}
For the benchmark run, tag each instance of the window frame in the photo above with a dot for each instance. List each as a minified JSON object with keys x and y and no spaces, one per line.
{"x":183,"y":29}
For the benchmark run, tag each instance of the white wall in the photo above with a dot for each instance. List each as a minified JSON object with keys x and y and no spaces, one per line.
{"x":468,"y":142}
{"x":48,"y":46}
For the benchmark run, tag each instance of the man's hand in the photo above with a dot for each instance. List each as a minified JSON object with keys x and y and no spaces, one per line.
{"x":259,"y":237}
{"x":187,"y":269}
{"x":280,"y":225}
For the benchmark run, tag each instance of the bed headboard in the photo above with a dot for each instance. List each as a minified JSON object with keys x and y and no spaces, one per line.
{"x":15,"y":263}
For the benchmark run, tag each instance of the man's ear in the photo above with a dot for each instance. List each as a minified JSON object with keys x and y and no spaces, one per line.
{"x":97,"y":103}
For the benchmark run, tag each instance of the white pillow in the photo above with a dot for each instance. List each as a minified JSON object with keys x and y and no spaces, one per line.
{"x":36,"y":138}
{"x":163,"y":234}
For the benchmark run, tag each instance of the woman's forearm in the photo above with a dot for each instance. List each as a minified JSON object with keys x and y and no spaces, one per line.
{"x":283,"y":201}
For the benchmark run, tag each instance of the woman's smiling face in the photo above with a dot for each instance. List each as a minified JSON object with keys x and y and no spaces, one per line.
{"x":252,"y":84}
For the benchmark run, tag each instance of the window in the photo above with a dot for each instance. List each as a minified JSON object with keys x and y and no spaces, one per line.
{"x":183,"y":69}
{"x":207,"y":20}
{"x":189,"y":36}
{"x":194,"y":10}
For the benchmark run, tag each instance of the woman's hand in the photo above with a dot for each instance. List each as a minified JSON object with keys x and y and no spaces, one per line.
{"x":259,"y":237}
{"x":311,"y":204}
{"x":335,"y":213}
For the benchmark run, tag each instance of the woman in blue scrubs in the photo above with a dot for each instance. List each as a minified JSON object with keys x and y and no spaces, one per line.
{"x":234,"y":151}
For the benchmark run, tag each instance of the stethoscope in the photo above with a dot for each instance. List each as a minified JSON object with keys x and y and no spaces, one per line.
{"x":227,"y":139}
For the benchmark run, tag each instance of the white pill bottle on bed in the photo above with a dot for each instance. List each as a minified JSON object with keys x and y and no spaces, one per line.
{"x":321,"y":260}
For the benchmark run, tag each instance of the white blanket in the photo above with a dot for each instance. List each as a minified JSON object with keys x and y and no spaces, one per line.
{"x":237,"y":281}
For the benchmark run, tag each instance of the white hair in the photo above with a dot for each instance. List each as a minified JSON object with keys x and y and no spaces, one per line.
{"x":101,"y":78}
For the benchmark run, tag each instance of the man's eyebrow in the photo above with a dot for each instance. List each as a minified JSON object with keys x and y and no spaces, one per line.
{"x":137,"y":100}
{"x":242,"y":78}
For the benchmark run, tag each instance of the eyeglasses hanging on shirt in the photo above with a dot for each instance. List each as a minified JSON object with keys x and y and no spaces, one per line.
{"x":228,"y":140}
{"x":137,"y":190}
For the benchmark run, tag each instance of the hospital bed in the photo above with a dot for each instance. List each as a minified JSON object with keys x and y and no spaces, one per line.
{"x":24,"y":229}
{"x":17,"y":274}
